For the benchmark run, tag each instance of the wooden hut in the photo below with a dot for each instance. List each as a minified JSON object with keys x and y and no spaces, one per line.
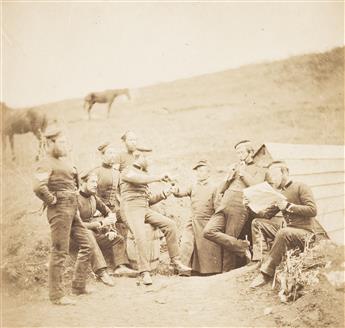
{"x":322,"y":168}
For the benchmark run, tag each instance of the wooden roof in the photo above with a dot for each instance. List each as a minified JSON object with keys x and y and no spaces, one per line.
{"x":304,"y":151}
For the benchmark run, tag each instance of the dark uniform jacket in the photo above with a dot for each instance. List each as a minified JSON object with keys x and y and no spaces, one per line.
{"x":253,"y":174}
{"x":53,"y":175}
{"x":124,"y":160}
{"x":141,"y":192}
{"x":108,"y":186}
{"x":301,"y":210}
{"x":88,"y":205}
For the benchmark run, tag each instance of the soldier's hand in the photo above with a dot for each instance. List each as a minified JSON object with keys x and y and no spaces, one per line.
{"x":282,"y":204}
{"x":231,"y":174}
{"x":113,"y":216}
{"x":168,"y":191}
{"x":109,"y":220}
{"x":245,"y":201}
{"x":111,"y":235}
{"x":54,"y":201}
{"x":174,"y":190}
{"x":244,"y":243}
{"x":165,"y":178}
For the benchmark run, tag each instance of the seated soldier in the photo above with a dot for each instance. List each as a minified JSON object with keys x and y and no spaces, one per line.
{"x":136,"y":200}
{"x":299,"y":211}
{"x":102,"y":233}
{"x":108,"y":192}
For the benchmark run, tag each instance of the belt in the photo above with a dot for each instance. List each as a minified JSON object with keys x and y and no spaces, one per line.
{"x":67,"y":191}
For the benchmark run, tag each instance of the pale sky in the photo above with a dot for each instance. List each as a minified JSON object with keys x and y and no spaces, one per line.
{"x":54,"y":51}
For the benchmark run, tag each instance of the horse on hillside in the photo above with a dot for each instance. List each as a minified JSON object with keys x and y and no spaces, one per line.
{"x":21,"y":121}
{"x":104,"y":97}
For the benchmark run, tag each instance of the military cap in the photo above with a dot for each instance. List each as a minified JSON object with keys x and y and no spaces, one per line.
{"x":103,"y":146}
{"x":144,"y":149}
{"x":52,"y":132}
{"x":200,"y":163}
{"x":242,"y":142}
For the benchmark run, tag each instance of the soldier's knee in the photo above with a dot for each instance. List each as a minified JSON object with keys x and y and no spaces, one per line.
{"x":60,"y":247}
{"x":58,"y":256}
{"x":118,"y":240}
{"x":255,"y":223}
{"x":170,"y":225}
{"x":85,"y":246}
{"x":284,"y":233}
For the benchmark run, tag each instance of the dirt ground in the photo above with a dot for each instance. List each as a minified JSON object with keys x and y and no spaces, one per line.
{"x":299,"y":100}
{"x":172,"y":301}
{"x":216,"y":301}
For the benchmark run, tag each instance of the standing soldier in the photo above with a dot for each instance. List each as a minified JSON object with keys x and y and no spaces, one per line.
{"x":56,"y":183}
{"x":126,"y":158}
{"x":108,"y":191}
{"x":231,"y":216}
{"x":136,"y":201}
{"x":204,"y":255}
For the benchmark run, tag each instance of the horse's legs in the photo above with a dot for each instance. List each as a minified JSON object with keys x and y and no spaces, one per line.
{"x":11,"y":138}
{"x":109,"y":106}
{"x":87,"y":107}
{"x":89,"y":110}
{"x":3,"y":144}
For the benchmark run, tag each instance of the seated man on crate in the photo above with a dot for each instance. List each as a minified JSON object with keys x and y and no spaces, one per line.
{"x":102,"y":232}
{"x":136,"y":201}
{"x":300,"y":226}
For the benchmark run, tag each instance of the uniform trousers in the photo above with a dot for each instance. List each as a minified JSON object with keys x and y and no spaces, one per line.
{"x":225,"y":227}
{"x":65,"y":223}
{"x":284,"y":239}
{"x":138,"y":213}
{"x":100,"y":244}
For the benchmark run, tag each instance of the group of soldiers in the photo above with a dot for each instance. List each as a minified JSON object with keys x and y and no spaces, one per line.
{"x":222,"y":233}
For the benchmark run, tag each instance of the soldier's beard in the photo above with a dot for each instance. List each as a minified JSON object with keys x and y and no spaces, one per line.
{"x":57,"y":153}
{"x":131,"y":149}
{"x":108,"y":159}
{"x":90,"y":192}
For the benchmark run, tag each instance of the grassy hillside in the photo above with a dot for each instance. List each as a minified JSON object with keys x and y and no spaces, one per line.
{"x":298,"y":100}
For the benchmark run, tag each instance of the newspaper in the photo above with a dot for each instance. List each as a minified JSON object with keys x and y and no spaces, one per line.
{"x":261,"y":196}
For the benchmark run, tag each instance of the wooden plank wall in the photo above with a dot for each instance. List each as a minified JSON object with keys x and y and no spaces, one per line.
{"x":322,"y":168}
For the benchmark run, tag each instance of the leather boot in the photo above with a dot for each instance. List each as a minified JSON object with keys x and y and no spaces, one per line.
{"x":64,"y":301}
{"x":180,"y":267}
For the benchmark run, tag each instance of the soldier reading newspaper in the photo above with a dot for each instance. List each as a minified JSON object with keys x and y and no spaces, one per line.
{"x":261,"y":196}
